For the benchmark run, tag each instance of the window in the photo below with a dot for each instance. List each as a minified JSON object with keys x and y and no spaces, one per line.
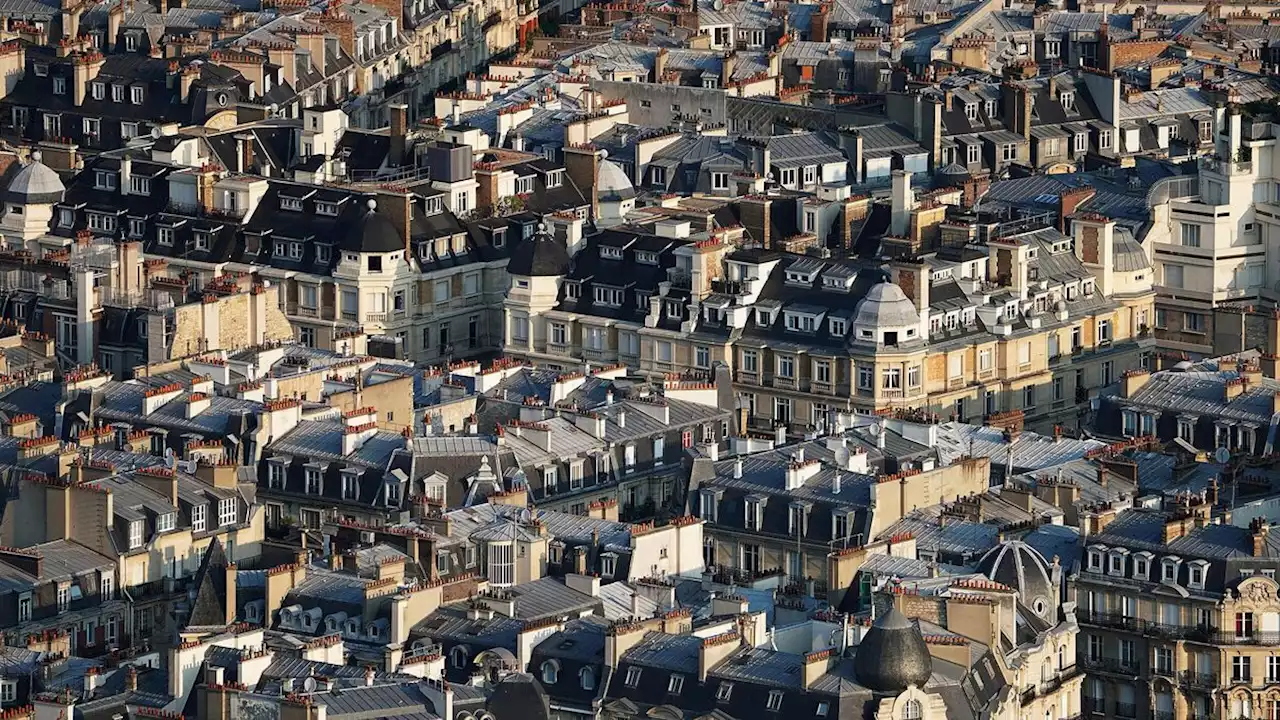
{"x":24,"y":608}
{"x":104,"y":180}
{"x":559,"y":333}
{"x":892,"y":379}
{"x":866,"y":377}
{"x":588,"y":676}
{"x":1196,"y":577}
{"x":775,"y":700}
{"x":912,"y":710}
{"x":135,"y":94}
{"x":550,"y":672}
{"x":633,"y":676}
{"x":227,"y":512}
{"x":974,"y":154}
{"x":1068,"y":100}
{"x":1104,"y":331}
{"x":1193,"y":322}
{"x":1190,"y":235}
{"x":1082,"y":142}
{"x":92,"y":127}
{"x":1009,"y":152}
{"x":786,"y":366}
{"x":1104,"y":139}
{"x":1240,"y":668}
{"x":657,"y":175}
{"x":199,"y":514}
{"x":702,"y":357}
{"x":822,"y":371}
{"x":135,"y":537}
{"x":971,"y":111}
{"x":810,"y":174}
{"x":723,"y":691}
{"x":8,"y":691}
{"x":59,"y":86}
{"x":1052,"y":49}
{"x":719,"y":181}
{"x":913,"y":376}
{"x":675,"y":684}
{"x":165,"y":522}
{"x":1244,"y":624}
{"x":750,"y":360}
{"x":501,"y":564}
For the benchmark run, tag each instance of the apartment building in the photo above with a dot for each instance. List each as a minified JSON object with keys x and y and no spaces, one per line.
{"x":1211,"y":236}
{"x":1030,"y":322}
{"x":1178,"y":615}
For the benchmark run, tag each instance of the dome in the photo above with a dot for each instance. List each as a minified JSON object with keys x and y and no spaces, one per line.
{"x":886,"y":306}
{"x":892,"y":655}
{"x":373,"y":232}
{"x":540,"y":256}
{"x":36,"y":183}
{"x":612,"y":183}
{"x":954,"y":170}
{"x":1023,"y":568}
{"x":519,"y":697}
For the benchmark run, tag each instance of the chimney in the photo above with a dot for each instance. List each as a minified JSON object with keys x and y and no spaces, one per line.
{"x":659,"y":65}
{"x":727,"y":66}
{"x":818,"y":23}
{"x":780,"y":435}
{"x":126,"y":173}
{"x":244,"y":152}
{"x":369,"y":675}
{"x":1259,"y":529}
{"x":1133,"y":381}
{"x":904,"y":201}
{"x":399,"y":131}
{"x":737,"y":468}
{"x":755,"y":217}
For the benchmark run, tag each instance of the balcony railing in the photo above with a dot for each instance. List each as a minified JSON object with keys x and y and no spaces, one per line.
{"x":1191,"y":678}
{"x":1117,"y":621}
{"x":199,"y":210}
{"x":1126,"y":710}
{"x":1253,"y":638}
{"x":1113,"y":665}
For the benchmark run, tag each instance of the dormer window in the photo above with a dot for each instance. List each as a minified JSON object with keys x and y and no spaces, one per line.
{"x":59,"y":86}
{"x":971,"y":111}
{"x":99,"y":91}
{"x":647,"y":258}
{"x":1195,"y":575}
{"x":572,"y":290}
{"x":135,"y":94}
{"x":1068,"y":100}
{"x":1117,"y":563}
{"x":991,"y":108}
{"x":839,"y":327}
{"x":555,"y":178}
{"x":139,"y":185}
{"x":524,"y":185}
{"x":610,"y":253}
{"x":291,"y":204}
{"x":674,"y":311}
{"x":104,"y":180}
{"x":165,"y":522}
{"x":1169,"y":570}
{"x":201,"y":240}
{"x":135,"y":534}
{"x":1095,"y":561}
{"x":433,"y":205}
{"x":326,"y":208}
{"x":42,"y":69}
{"x":609,"y":296}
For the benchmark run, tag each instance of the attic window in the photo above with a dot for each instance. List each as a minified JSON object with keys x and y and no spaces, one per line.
{"x":326,"y":208}
{"x":555,"y":178}
{"x":104,"y":180}
{"x":500,"y":238}
{"x":434,"y":205}
{"x":971,"y":111}
{"x":1068,"y":100}
{"x":42,"y":69}
{"x":610,"y":253}
{"x":991,"y":108}
{"x":288,"y":203}
{"x":647,"y":258}
{"x":524,"y":185}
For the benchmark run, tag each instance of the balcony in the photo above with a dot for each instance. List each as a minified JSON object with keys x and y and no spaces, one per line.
{"x":1126,"y":710}
{"x":307,"y":312}
{"x":1192,"y":679}
{"x":1253,"y":638}
{"x":1138,"y":625}
{"x":494,"y":18}
{"x":198,"y":210}
{"x":1113,"y":665}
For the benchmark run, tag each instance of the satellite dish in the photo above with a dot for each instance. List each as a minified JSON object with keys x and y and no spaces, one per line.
{"x":309,"y":685}
{"x":842,"y":456}
{"x":156,"y":133}
{"x":1222,"y":456}
{"x":170,"y":460}
{"x":874,"y":429}
{"x":717,"y":5}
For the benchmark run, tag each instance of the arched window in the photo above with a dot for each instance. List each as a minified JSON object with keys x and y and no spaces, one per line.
{"x":550,"y":672}
{"x":588,"y":676}
{"x":458,"y":656}
{"x":1062,"y":654}
{"x":912,"y":710}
